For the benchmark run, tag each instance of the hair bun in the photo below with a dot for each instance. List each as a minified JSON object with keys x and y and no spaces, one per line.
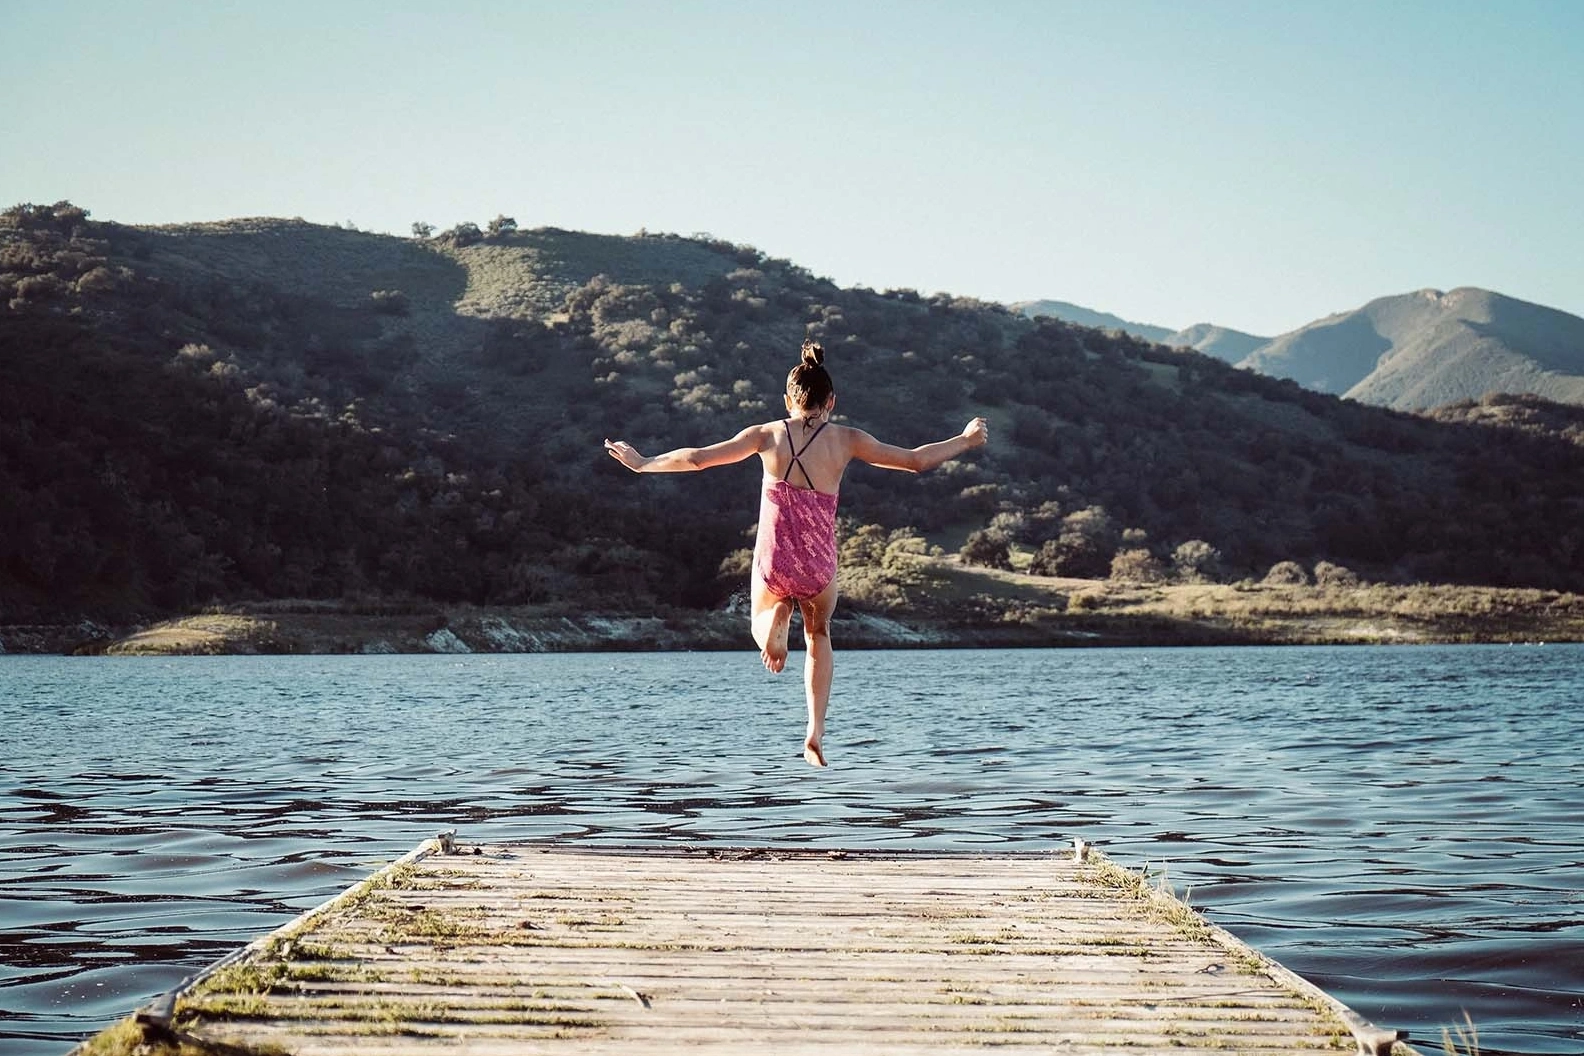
{"x":813,"y":353}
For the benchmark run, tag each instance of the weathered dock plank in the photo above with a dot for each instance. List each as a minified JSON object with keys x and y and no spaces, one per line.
{"x":546,"y":949}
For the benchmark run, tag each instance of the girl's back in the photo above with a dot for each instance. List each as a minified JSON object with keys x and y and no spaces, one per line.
{"x":823,"y":454}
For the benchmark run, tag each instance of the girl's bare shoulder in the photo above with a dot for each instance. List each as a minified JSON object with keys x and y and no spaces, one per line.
{"x":767,"y":429}
{"x":850,"y":436}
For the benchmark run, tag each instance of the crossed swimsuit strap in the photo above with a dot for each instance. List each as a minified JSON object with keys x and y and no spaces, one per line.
{"x":797,"y":454}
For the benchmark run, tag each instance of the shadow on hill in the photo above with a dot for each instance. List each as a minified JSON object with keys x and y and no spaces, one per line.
{"x":1552,"y":338}
{"x":336,"y":265}
{"x":313,"y":313}
{"x":1328,"y":357}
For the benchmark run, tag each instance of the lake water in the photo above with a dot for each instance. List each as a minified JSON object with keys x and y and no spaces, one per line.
{"x":1404,"y":826}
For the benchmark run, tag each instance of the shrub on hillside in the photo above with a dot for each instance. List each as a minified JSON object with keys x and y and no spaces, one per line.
{"x":1286,"y":574}
{"x":978,"y":500}
{"x":1044,"y":561}
{"x":1084,"y":549}
{"x":1327,"y":574}
{"x":1137,"y":566}
{"x":102,"y":279}
{"x":903,"y":547}
{"x":735,"y":567}
{"x":864,"y":546}
{"x":1043,"y":522}
{"x":871,"y":588}
{"x":1196,"y":561}
{"x":988,"y":548}
{"x":466,"y":233}
{"x":1012,"y":524}
{"x":63,"y":217}
{"x":37,"y":289}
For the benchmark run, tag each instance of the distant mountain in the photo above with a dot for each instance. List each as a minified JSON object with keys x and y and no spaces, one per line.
{"x":1077,"y":313}
{"x":1424,"y":349}
{"x":1409,"y":352}
{"x":1223,"y":343}
{"x":1228,"y":345}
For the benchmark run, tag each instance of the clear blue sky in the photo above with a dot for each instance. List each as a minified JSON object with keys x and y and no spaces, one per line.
{"x":1257,"y":164}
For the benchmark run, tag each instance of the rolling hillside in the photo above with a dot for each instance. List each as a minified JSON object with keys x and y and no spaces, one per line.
{"x":265,"y":409}
{"x":1076,"y":313}
{"x":1222,"y":342}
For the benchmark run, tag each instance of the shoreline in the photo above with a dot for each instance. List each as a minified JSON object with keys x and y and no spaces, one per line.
{"x":1090,"y":614}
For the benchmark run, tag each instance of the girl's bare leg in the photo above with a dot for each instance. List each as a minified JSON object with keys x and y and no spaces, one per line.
{"x":772,"y":617}
{"x":818,"y":666}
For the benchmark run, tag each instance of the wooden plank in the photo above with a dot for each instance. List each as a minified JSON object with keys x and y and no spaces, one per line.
{"x":528,"y":949}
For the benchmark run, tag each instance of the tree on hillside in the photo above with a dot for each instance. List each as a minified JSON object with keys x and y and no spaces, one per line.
{"x":864,"y":545}
{"x":464,"y":234}
{"x":1286,"y":574}
{"x":986,"y":547}
{"x":1084,"y":549}
{"x":1136,"y":566}
{"x":1196,"y":561}
{"x":420,"y":229}
{"x":63,"y":217}
{"x":1045,"y":559}
{"x":1327,"y":574}
{"x":501,"y":225}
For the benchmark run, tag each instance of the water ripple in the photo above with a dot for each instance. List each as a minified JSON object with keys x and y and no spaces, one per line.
{"x":1401,"y":825}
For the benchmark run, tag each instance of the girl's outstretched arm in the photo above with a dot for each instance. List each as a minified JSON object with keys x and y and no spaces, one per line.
{"x":688,"y":459}
{"x":918,"y":459}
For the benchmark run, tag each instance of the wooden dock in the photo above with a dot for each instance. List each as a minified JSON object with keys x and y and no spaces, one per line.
{"x":548,"y":949}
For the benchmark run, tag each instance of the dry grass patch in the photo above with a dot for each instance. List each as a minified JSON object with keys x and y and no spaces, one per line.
{"x":205,"y":635}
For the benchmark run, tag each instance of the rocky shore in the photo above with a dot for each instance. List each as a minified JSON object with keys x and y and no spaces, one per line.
{"x":1092,"y":614}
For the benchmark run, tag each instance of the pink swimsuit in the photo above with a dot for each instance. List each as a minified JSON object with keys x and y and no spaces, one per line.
{"x":795,"y":551}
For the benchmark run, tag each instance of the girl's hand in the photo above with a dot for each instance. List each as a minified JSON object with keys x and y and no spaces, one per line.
{"x":977,"y":432}
{"x":626,"y":454}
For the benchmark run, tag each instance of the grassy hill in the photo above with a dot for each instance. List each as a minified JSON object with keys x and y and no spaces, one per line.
{"x":267,"y":409}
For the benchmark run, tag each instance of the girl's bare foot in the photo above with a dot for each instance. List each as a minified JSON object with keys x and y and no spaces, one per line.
{"x":811,"y":743}
{"x":774,"y":653}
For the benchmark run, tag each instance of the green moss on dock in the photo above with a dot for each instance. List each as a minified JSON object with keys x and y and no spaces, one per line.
{"x":330,"y":972}
{"x":248,"y":977}
{"x":132,"y":1038}
{"x":1159,"y":901}
{"x":226,"y":1006}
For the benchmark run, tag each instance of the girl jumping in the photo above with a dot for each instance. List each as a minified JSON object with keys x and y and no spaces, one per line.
{"x":804,"y":456}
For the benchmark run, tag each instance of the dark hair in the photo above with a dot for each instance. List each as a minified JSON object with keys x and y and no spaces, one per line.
{"x":808,"y":383}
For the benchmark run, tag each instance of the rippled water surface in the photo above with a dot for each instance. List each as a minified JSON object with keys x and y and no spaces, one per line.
{"x":1404,"y":826}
